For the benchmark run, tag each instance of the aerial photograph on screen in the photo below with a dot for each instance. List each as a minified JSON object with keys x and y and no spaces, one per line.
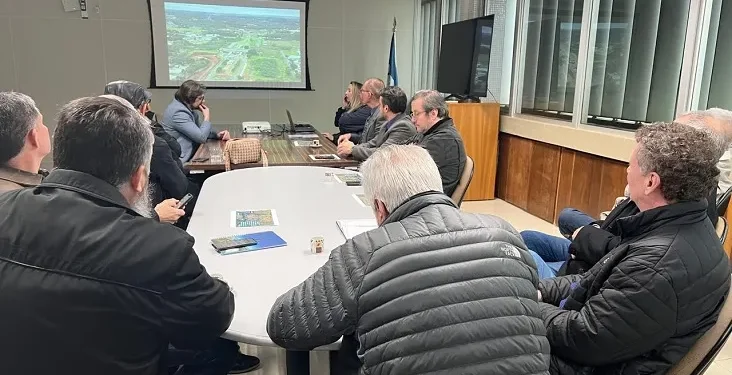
{"x":233,"y":43}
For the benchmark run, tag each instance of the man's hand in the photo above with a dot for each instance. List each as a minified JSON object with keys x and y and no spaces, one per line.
{"x":576,"y":232}
{"x":167,"y":211}
{"x":345,"y":148}
{"x":206,"y":112}
{"x":224,"y":135}
{"x":344,"y":137}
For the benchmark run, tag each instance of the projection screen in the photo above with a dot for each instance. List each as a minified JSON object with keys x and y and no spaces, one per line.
{"x":230,"y":43}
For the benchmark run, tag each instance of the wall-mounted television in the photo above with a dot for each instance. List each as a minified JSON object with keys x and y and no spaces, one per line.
{"x":465,"y":55}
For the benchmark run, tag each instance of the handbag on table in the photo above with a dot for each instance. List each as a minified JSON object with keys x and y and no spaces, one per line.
{"x":243,"y":151}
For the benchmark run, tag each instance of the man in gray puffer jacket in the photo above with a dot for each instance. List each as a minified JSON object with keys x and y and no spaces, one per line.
{"x":432,"y":290}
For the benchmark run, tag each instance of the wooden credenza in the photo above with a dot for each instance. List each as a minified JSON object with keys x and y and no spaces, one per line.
{"x":478,"y":126}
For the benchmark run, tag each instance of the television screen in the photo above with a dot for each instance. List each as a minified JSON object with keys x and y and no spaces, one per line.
{"x":465,"y":52}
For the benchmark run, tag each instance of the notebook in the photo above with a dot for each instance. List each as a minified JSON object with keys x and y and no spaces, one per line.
{"x":265,"y":240}
{"x":352,"y":228}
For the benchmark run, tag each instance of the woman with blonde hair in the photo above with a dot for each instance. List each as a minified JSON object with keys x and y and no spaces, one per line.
{"x":356,"y":113}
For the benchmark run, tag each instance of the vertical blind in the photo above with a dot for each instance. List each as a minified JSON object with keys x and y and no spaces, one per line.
{"x":637,"y":57}
{"x":716,"y":90}
{"x":639,"y":49}
{"x":430,"y":17}
{"x":468,"y":9}
{"x":450,"y":11}
{"x":552,"y":46}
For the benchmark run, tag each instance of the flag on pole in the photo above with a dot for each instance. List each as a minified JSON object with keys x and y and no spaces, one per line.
{"x":392,"y":74}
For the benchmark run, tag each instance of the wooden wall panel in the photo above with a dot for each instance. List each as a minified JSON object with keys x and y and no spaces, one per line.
{"x":527,"y":175}
{"x":542,"y":179}
{"x":514,"y":173}
{"x":589,"y":183}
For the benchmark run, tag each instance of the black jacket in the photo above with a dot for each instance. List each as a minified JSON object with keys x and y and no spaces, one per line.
{"x":353,"y":122}
{"x":594,"y":241}
{"x":159,"y":131}
{"x":446,"y":146}
{"x":433,"y":290}
{"x":96,"y":288}
{"x":167,"y":176}
{"x":641,"y":307}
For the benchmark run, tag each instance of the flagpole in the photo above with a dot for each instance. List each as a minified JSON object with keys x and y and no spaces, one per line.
{"x":393,"y":37}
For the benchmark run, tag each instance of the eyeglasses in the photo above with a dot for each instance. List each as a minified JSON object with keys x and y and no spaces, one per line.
{"x":415,"y":114}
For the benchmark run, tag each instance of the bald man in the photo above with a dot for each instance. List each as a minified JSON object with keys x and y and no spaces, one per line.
{"x":369,"y":95}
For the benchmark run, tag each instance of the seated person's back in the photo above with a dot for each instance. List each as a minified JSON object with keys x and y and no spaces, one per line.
{"x":431,"y":290}
{"x":642,"y":307}
{"x":439,"y":136}
{"x":89,"y":281}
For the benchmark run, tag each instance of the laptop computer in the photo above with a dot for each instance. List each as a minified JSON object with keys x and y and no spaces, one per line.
{"x":299,"y":128}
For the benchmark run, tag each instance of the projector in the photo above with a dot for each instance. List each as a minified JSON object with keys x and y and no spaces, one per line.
{"x":255,"y":127}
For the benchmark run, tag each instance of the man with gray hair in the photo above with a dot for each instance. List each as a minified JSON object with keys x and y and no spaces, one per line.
{"x":719,"y":121}
{"x":438,"y":135}
{"x":86,"y":278}
{"x":24,"y":141}
{"x":432,"y":289}
{"x":643,"y":305}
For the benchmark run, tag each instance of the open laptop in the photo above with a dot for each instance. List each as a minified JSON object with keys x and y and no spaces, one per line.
{"x":299,"y":128}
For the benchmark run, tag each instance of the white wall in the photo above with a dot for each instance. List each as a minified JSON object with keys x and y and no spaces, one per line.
{"x":55,"y":56}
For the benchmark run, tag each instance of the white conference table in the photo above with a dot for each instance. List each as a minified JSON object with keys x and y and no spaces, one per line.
{"x":307,"y":204}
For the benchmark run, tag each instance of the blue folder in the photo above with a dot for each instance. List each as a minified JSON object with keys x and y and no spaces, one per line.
{"x":265,"y":240}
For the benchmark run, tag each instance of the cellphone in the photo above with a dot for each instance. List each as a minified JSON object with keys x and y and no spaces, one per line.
{"x":232,"y":242}
{"x":183,"y":202}
{"x":353,"y":183}
{"x":200,"y":160}
{"x":322,"y":157}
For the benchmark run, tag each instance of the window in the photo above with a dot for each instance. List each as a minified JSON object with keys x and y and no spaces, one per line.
{"x":550,"y":61}
{"x":713,"y":89}
{"x":501,"y":67}
{"x":636,"y":69}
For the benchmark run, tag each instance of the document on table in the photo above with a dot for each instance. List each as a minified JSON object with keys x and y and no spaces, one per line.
{"x":352,"y":228}
{"x":303,"y":136}
{"x":254,"y":218}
